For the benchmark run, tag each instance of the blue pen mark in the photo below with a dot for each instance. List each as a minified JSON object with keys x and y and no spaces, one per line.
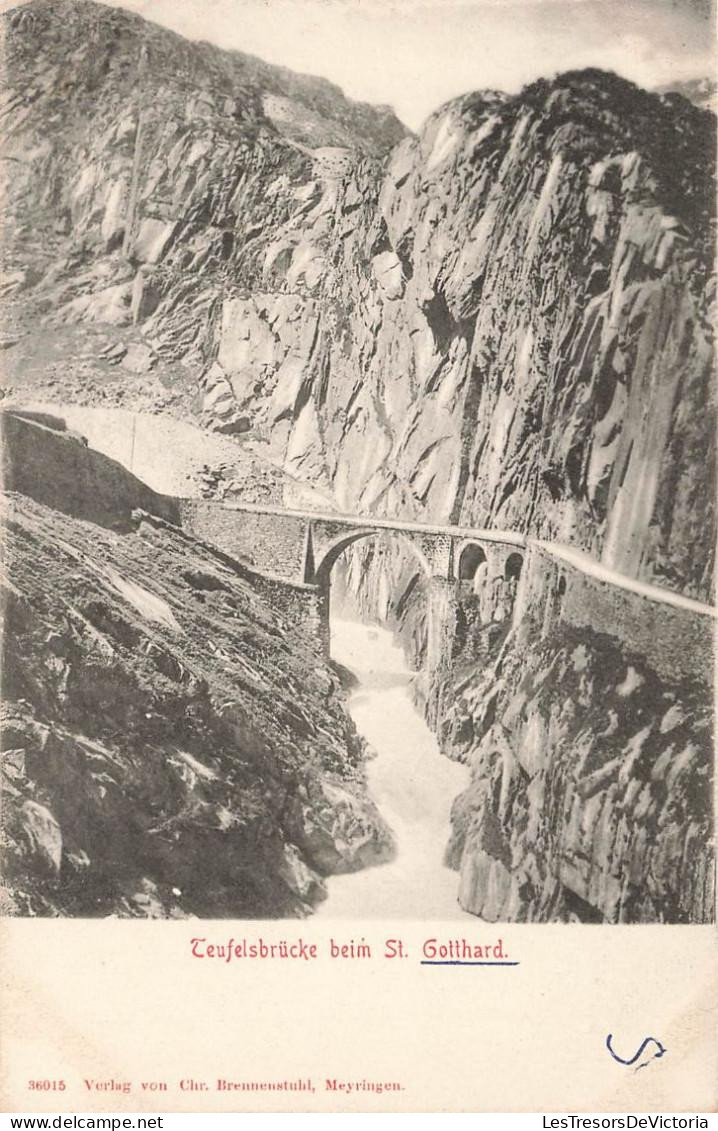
{"x":662,"y":1050}
{"x":461,"y":962}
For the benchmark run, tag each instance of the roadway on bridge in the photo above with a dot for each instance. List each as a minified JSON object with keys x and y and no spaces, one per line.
{"x":578,"y":559}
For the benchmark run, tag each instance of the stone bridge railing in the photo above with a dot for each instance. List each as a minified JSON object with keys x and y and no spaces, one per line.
{"x":548,"y":581}
{"x":304,"y":545}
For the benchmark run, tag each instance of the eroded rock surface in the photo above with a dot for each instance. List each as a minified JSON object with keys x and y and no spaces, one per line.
{"x":173,"y":741}
{"x":591,"y":789}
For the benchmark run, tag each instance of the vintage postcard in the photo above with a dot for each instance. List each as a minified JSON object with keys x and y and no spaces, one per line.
{"x":358,"y":457}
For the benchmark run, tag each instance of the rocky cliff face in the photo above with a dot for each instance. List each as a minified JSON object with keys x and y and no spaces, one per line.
{"x":504,"y":322}
{"x":148,"y":176}
{"x":173,"y":742}
{"x":591,"y":796}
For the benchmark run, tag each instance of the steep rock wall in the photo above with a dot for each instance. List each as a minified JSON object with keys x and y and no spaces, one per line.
{"x":592,"y":769}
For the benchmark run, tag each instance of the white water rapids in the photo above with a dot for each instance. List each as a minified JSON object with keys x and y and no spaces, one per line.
{"x":411,"y":782}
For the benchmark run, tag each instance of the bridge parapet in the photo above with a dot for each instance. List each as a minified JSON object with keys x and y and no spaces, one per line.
{"x":508,"y":574}
{"x":270,"y":542}
{"x":319,"y":538}
{"x":679,"y":642}
{"x":327,"y":540}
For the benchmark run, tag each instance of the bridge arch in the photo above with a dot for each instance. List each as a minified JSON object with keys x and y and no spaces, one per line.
{"x":513,"y":567}
{"x":470,"y":556}
{"x":333,"y":551}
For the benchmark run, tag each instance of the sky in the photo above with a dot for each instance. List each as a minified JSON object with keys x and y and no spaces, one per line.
{"x":417,"y":54}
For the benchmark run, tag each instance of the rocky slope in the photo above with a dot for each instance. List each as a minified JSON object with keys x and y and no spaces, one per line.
{"x":591,"y":796}
{"x":173,"y":742}
{"x":506,"y":322}
{"x":144,"y":168}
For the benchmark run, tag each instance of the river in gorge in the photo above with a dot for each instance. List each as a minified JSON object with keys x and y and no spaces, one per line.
{"x":410,"y":781}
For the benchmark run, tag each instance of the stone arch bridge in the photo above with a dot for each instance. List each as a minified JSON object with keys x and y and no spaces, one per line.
{"x":445,"y":553}
{"x":301,"y":547}
{"x":292,"y":553}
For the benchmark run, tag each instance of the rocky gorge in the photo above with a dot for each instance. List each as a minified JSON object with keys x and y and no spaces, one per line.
{"x":502,"y":322}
